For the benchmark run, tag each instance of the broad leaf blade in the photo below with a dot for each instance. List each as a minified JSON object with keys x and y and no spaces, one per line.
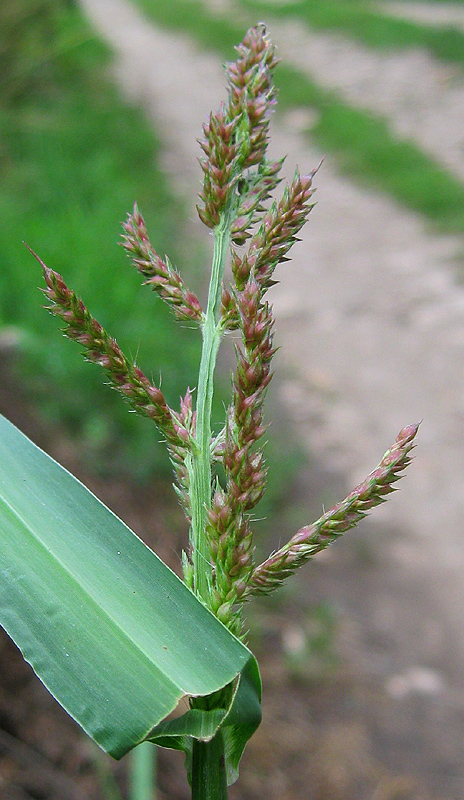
{"x":114,"y":635}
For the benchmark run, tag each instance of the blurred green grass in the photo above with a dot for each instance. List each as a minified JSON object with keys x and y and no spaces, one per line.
{"x":74,"y":158}
{"x":363,"y":144}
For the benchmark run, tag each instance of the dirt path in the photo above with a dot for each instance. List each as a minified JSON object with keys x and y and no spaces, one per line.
{"x":423,"y":99}
{"x":371,"y":324}
{"x":443,"y":14}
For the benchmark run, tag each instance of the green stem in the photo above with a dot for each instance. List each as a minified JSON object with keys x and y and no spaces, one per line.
{"x":200,"y":463}
{"x":209,"y":780}
{"x":143,"y":772}
{"x":208,"y":758}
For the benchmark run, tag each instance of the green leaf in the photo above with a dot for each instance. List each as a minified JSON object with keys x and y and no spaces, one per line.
{"x":238,"y":720}
{"x":114,"y":635}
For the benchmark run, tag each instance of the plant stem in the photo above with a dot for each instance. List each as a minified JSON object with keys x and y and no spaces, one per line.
{"x":143,"y":772}
{"x":200,"y":463}
{"x":209,"y":780}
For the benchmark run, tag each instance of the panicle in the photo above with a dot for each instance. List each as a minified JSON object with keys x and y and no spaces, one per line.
{"x":345,"y":515}
{"x":238,"y":180}
{"x":160,"y":275}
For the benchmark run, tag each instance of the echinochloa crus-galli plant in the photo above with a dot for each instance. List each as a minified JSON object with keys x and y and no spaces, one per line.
{"x":256,"y":234}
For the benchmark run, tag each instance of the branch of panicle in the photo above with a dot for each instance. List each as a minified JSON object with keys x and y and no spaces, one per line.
{"x":253,"y":191}
{"x":185,"y":419}
{"x":345,"y":515}
{"x":252,"y":95}
{"x":270,"y":244}
{"x":229,"y":531}
{"x":220,"y":167}
{"x":125,"y":377}
{"x":236,"y":137}
{"x":160,"y":275}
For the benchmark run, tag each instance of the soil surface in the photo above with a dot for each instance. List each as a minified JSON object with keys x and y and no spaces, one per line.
{"x":443,"y":14}
{"x":363,"y":657}
{"x":423,"y":99}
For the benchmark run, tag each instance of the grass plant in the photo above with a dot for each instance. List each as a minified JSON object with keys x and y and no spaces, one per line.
{"x":78,"y":590}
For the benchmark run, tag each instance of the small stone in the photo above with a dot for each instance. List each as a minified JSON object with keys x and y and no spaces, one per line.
{"x":294,"y":640}
{"x":415,"y":680}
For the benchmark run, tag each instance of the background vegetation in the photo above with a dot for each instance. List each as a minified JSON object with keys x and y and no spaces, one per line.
{"x":74,"y":157}
{"x":366,"y":23}
{"x":363,"y":143}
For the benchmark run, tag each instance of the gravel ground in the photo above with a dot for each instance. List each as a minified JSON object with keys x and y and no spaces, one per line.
{"x":370,"y":319}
